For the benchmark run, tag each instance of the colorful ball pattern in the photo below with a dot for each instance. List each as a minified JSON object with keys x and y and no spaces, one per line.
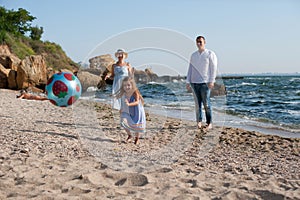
{"x":63,"y":89}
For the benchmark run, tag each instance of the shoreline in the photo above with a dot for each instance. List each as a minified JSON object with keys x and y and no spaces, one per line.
{"x":220,"y":118}
{"x":79,"y":153}
{"x":226,"y":120}
{"x":223,"y":120}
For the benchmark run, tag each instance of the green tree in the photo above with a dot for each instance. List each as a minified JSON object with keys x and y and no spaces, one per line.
{"x":36,"y":33}
{"x":15,"y":22}
{"x":2,"y":24}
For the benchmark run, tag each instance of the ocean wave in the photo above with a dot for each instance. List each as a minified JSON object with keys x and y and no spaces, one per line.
{"x":294,"y":112}
{"x":175,"y":107}
{"x":291,"y":102}
{"x":156,"y":83}
{"x":87,"y":97}
{"x":259,"y":78}
{"x":91,"y":89}
{"x":251,"y":84}
{"x":170,"y":106}
{"x":294,"y":79}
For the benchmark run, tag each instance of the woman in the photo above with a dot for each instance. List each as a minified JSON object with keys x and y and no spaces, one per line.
{"x":28,"y":96}
{"x":120,"y":70}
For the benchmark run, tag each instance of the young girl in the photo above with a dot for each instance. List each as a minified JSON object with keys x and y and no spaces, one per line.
{"x":132,"y":110}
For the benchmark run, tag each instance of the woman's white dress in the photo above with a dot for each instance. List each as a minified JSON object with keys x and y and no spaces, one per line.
{"x":120,"y":72}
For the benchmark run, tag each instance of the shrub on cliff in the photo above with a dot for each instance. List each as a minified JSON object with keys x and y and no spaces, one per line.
{"x":15,"y":26}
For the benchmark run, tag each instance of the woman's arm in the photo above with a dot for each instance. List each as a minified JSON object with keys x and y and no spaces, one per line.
{"x":112,"y":74}
{"x":130,"y":70}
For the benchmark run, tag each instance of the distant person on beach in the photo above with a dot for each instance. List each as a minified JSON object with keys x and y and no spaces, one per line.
{"x":132,"y":113}
{"x":120,"y":70}
{"x":24,"y":95}
{"x":201,"y":77}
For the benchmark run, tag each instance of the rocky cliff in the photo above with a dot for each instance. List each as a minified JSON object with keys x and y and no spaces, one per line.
{"x":19,"y":74}
{"x":32,"y":72}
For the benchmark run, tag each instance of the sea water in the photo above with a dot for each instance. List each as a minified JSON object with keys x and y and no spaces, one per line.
{"x":269,"y":104}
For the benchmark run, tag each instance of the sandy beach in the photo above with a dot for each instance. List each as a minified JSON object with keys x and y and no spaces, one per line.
{"x":78,"y":152}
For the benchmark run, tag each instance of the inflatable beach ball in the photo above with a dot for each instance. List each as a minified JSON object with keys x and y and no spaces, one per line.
{"x":63,"y":89}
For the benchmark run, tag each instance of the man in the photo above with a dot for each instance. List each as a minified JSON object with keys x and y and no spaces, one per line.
{"x":201,"y":78}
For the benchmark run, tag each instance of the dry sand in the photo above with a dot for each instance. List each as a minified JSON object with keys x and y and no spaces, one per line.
{"x":79,"y":152}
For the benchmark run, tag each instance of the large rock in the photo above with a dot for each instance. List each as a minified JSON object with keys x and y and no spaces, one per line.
{"x":10,"y":61}
{"x":101,"y":62}
{"x":12,"y":79}
{"x":141,"y":76}
{"x":4,"y":50}
{"x":8,"y":70}
{"x":19,"y":74}
{"x":32,"y":71}
{"x":152,"y":76}
{"x":88,"y":80}
{"x":97,"y":72}
{"x":3,"y":76}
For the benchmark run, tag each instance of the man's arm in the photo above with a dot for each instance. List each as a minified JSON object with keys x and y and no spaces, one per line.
{"x":213,"y":63}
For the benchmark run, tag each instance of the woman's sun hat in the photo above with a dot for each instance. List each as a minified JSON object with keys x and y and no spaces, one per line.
{"x":121,"y":51}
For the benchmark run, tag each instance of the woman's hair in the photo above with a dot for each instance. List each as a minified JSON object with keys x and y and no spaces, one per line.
{"x":136,"y":92}
{"x":23,"y":91}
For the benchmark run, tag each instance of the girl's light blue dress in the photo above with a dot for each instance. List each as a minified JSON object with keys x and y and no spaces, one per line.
{"x":133,"y":118}
{"x":120,"y":72}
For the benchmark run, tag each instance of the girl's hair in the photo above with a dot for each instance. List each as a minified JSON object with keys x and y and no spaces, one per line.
{"x":136,"y":92}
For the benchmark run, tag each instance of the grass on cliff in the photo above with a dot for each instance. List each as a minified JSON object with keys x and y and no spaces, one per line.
{"x":54,"y":55}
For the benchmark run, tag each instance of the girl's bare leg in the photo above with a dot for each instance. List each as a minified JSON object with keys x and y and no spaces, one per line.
{"x":137,"y":137}
{"x":129,"y":135}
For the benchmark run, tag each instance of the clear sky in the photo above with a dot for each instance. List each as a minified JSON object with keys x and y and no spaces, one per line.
{"x":255,"y":36}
